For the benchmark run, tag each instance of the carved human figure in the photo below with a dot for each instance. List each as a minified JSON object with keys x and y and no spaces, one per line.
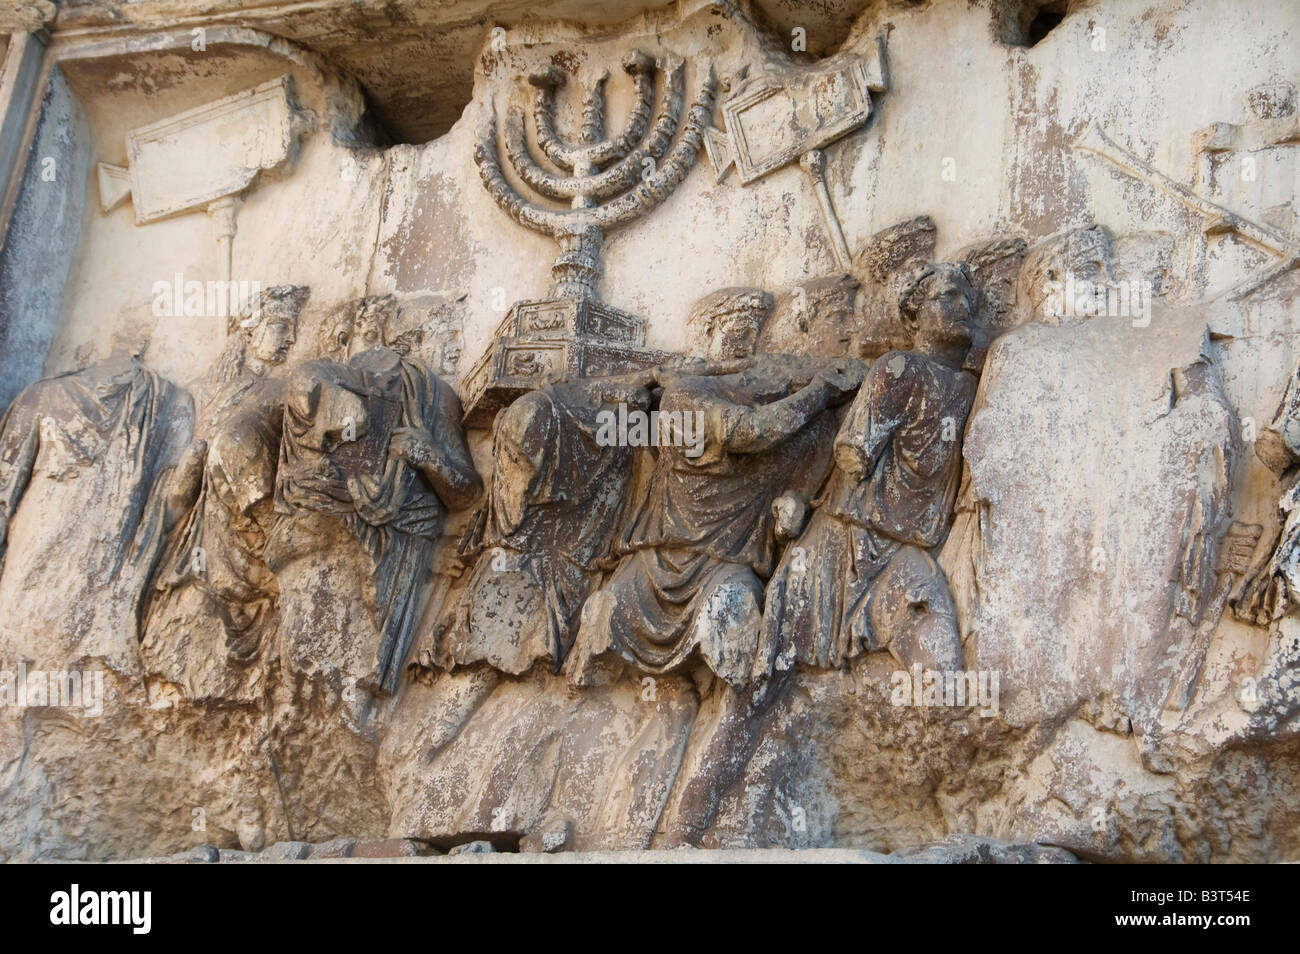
{"x":690,"y":581}
{"x":372,"y":455}
{"x":213,"y":566}
{"x":366,"y":323}
{"x":860,"y":577}
{"x":537,"y":540}
{"x":88,"y":466}
{"x":1271,"y":586}
{"x":1065,"y":278}
{"x":687,"y":592}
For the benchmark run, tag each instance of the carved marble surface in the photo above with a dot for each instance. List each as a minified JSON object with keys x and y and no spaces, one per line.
{"x":866,"y":496}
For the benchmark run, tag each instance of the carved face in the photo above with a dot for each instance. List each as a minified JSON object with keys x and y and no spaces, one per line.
{"x":273,"y":333}
{"x":945,"y":312}
{"x":1090,"y":260}
{"x":1090,"y":266}
{"x":450,"y":359}
{"x":367,"y":329}
{"x":725,"y":336}
{"x":1081,"y":268}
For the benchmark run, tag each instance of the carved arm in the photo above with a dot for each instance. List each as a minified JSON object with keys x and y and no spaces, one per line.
{"x":752,"y":430}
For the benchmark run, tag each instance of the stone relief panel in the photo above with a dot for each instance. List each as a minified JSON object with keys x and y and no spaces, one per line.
{"x":117,"y":434}
{"x":214,"y":566}
{"x":803,"y":501}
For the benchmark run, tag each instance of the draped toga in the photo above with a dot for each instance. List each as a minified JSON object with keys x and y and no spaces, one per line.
{"x":707,"y":524}
{"x":549,"y":518}
{"x":387,"y":505}
{"x":905,"y":425}
{"x":84,"y":458}
{"x":217,"y":546}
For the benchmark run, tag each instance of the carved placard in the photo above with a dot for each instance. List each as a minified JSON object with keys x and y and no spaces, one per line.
{"x":215,"y":150}
{"x":772,"y":124}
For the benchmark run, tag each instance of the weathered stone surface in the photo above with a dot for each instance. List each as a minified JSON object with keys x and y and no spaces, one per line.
{"x":389,"y":848}
{"x":969,"y":850}
{"x":206,"y":854}
{"x":957,"y":849}
{"x":338,"y":848}
{"x":480,"y":847}
{"x":559,"y":838}
{"x":450,"y":458}
{"x":287,"y":851}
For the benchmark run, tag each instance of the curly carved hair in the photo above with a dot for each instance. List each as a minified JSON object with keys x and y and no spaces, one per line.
{"x":917,"y":285}
{"x":336,"y":333}
{"x":288,"y":299}
{"x":726,"y":302}
{"x":1055,"y":257}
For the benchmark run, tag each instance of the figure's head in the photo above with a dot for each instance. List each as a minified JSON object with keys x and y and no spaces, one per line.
{"x":937,"y":304}
{"x":1085,"y":257}
{"x":370,"y":323}
{"x":269,"y":325}
{"x":725,"y":324}
{"x":450,"y":359}
{"x":363,"y":324}
{"x":524,"y":440}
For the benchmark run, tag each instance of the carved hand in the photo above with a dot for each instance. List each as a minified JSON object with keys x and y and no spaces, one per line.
{"x":790,"y":510}
{"x":842,"y":379}
{"x":413,"y":444}
{"x":1237,"y":547}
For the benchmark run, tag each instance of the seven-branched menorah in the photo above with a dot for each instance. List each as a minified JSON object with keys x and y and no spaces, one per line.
{"x":609,"y":180}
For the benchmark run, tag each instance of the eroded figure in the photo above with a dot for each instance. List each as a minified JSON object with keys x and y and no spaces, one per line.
{"x":1272,"y":586}
{"x":690,"y":580}
{"x":537,"y":541}
{"x":1066,"y":278}
{"x":88,"y":477}
{"x":213,"y":566}
{"x":372,"y":455}
{"x":687,"y":593}
{"x":1063,"y":279}
{"x":861,"y":576}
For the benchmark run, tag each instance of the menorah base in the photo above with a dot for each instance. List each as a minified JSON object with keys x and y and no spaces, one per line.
{"x":545,"y":339}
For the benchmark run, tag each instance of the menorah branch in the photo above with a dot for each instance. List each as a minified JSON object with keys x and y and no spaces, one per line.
{"x":655,"y":188}
{"x":547,"y":81}
{"x":600,"y":200}
{"x":526,"y":214}
{"x":641,"y":68}
{"x":593,"y":113}
{"x":613,"y":180}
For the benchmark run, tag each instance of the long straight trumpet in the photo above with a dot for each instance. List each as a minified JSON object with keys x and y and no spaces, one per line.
{"x":1221,"y":219}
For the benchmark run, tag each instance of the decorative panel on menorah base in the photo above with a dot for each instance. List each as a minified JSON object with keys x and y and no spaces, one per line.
{"x":546,"y":339}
